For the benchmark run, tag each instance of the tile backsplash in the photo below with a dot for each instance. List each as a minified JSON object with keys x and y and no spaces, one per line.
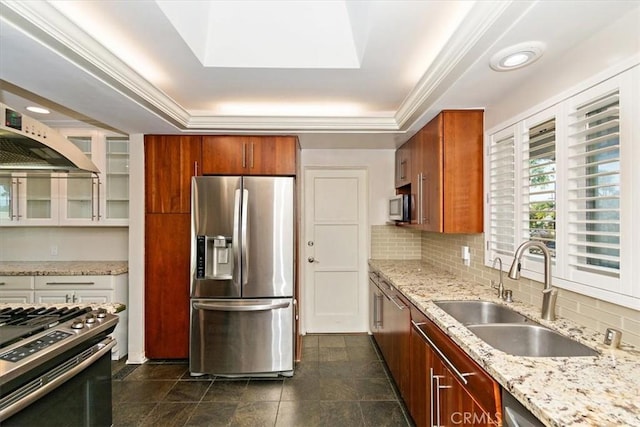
{"x":443,"y":250}
{"x":64,"y":243}
{"x":393,"y":242}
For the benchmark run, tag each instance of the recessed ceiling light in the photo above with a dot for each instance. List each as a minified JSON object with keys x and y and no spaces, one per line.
{"x":38,"y":110}
{"x":517,"y":56}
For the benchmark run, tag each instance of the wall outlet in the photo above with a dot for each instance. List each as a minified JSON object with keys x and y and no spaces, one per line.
{"x":54,"y":250}
{"x":465,"y":253}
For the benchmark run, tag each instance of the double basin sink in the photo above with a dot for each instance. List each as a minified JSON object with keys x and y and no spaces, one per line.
{"x":511,"y":332}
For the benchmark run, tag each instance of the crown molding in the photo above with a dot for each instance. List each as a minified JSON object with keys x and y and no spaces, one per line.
{"x":342,"y":124}
{"x":47,"y":25}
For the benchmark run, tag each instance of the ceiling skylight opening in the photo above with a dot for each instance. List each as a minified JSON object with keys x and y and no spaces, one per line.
{"x":273,"y":34}
{"x":517,"y":56}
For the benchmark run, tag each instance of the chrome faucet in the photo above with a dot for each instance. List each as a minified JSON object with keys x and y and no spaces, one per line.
{"x":549,"y":294}
{"x":500,"y":286}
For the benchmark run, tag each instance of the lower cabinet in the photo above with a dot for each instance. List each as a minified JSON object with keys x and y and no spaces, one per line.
{"x":167,"y":264}
{"x":447,"y":387}
{"x":73,"y":290}
{"x":440,"y":384}
{"x":16,"y":289}
{"x":390,"y":327}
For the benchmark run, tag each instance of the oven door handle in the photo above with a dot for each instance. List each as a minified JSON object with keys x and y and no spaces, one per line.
{"x":231,"y":307}
{"x":100,"y":349}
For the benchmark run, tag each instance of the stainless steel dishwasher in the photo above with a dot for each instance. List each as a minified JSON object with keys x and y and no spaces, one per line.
{"x":514,"y":414}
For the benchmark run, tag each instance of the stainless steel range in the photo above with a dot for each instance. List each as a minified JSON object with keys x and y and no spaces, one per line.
{"x":55,"y":363}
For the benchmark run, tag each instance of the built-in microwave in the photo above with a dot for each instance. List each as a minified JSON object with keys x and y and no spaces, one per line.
{"x":399,"y":208}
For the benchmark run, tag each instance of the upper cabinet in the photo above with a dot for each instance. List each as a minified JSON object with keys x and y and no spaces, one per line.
{"x":170,"y":162}
{"x":403,"y":164}
{"x":102,"y":199}
{"x":446,"y":173}
{"x":249,"y":155}
{"x":29,"y":199}
{"x":73,"y":199}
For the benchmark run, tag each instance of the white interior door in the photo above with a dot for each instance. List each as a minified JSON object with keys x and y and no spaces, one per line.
{"x":335,"y":250}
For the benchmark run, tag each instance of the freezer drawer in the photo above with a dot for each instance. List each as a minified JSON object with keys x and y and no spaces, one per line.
{"x":246,"y":337}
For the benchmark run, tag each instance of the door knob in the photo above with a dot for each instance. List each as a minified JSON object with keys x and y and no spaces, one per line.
{"x":311,"y":259}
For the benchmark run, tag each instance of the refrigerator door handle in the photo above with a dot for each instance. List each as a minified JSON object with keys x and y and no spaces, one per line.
{"x":236,"y":239}
{"x":229,"y":307}
{"x":245,"y":236}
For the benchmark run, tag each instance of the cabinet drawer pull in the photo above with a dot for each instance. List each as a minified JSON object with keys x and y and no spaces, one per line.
{"x":3,"y":283}
{"x":244,"y":155}
{"x":463,"y":377}
{"x":393,"y":299}
{"x":71,"y":283}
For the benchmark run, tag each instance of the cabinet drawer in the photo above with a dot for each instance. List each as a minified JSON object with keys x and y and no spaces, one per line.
{"x":16,"y":282}
{"x":485,"y":391}
{"x":73,"y":282}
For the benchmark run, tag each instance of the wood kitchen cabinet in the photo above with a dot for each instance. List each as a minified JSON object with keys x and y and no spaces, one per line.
{"x":249,"y":155}
{"x":447,"y":387}
{"x":446,"y":173}
{"x":452,"y":189}
{"x":170,"y":161}
{"x":167,"y":253}
{"x":403,"y":164}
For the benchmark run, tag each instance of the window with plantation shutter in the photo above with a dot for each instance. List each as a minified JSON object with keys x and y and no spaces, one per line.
{"x":539,"y":184}
{"x":594,"y":186}
{"x":568,"y":176}
{"x":501,"y":194}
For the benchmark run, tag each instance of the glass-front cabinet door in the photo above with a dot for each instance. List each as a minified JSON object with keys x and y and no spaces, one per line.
{"x":117,"y":179}
{"x":28,"y":199}
{"x":101,"y":199}
{"x":81,"y":198}
{"x":6,"y":199}
{"x":72,"y":199}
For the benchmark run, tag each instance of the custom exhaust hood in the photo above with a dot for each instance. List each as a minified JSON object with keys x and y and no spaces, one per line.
{"x":28,"y":145}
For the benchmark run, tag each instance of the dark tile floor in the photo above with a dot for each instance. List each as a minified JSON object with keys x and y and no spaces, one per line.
{"x":341,"y":381}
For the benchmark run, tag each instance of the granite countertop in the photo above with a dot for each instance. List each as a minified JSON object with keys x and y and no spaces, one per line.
{"x":63,"y":268}
{"x":598,"y":390}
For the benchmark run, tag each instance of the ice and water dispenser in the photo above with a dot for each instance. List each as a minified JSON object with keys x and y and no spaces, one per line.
{"x":214,"y":257}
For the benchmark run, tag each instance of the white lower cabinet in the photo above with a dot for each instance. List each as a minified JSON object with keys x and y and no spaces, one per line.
{"x":97,"y":289}
{"x":71,"y":296}
{"x":90,"y":290}
{"x":16,"y":289}
{"x":16,"y":297}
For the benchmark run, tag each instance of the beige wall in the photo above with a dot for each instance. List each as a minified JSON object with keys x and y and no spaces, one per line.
{"x":379,"y":164}
{"x":443,"y":250}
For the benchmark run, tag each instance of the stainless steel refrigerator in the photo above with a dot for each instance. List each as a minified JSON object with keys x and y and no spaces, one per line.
{"x":242,"y":276}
